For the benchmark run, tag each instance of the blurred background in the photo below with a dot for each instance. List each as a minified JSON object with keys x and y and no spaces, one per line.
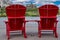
{"x":32,"y":5}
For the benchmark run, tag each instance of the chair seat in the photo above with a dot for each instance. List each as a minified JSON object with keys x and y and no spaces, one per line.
{"x":47,"y":16}
{"x":48,"y":28}
{"x":15,"y":29}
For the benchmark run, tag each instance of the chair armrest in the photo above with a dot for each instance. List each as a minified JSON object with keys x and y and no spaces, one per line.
{"x":32,"y":21}
{"x":6,"y":21}
{"x":56,"y":20}
{"x":7,"y":26}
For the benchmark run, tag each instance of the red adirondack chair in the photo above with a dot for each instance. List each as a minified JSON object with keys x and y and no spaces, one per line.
{"x":48,"y":16}
{"x":16,"y":19}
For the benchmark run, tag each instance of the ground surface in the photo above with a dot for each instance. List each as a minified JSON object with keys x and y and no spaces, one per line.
{"x":31,"y":30}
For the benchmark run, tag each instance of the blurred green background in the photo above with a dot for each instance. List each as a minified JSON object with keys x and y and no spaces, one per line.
{"x":29,"y":12}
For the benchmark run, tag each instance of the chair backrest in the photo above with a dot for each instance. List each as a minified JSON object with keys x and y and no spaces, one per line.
{"x":16,"y":16}
{"x":15,"y":10}
{"x":48,"y":14}
{"x":48,"y":10}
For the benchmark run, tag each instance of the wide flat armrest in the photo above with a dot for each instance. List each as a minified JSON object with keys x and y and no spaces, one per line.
{"x":56,"y":20}
{"x":6,"y":21}
{"x":32,"y":20}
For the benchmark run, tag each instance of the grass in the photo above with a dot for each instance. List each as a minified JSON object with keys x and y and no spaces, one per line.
{"x":2,"y":12}
{"x":3,"y":15}
{"x":29,"y":12}
{"x":59,"y":12}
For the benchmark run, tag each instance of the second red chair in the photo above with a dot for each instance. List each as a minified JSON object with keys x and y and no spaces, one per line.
{"x":48,"y":16}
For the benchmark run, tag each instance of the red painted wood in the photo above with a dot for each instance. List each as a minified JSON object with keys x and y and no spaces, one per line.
{"x":16,"y":18}
{"x":48,"y":16}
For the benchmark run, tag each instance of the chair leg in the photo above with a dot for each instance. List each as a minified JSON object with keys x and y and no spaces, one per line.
{"x":55,"y":32}
{"x":8,"y":35}
{"x":39,"y":33}
{"x":24,"y":32}
{"x":25,"y":36}
{"x":7,"y":31}
{"x":39,"y":29}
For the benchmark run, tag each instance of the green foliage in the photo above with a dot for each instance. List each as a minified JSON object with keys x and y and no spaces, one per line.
{"x":2,"y":12}
{"x":29,"y":12}
{"x":32,"y":12}
{"x":59,"y":12}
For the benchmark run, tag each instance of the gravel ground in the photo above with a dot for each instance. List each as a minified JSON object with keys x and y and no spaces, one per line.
{"x":31,"y":30}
